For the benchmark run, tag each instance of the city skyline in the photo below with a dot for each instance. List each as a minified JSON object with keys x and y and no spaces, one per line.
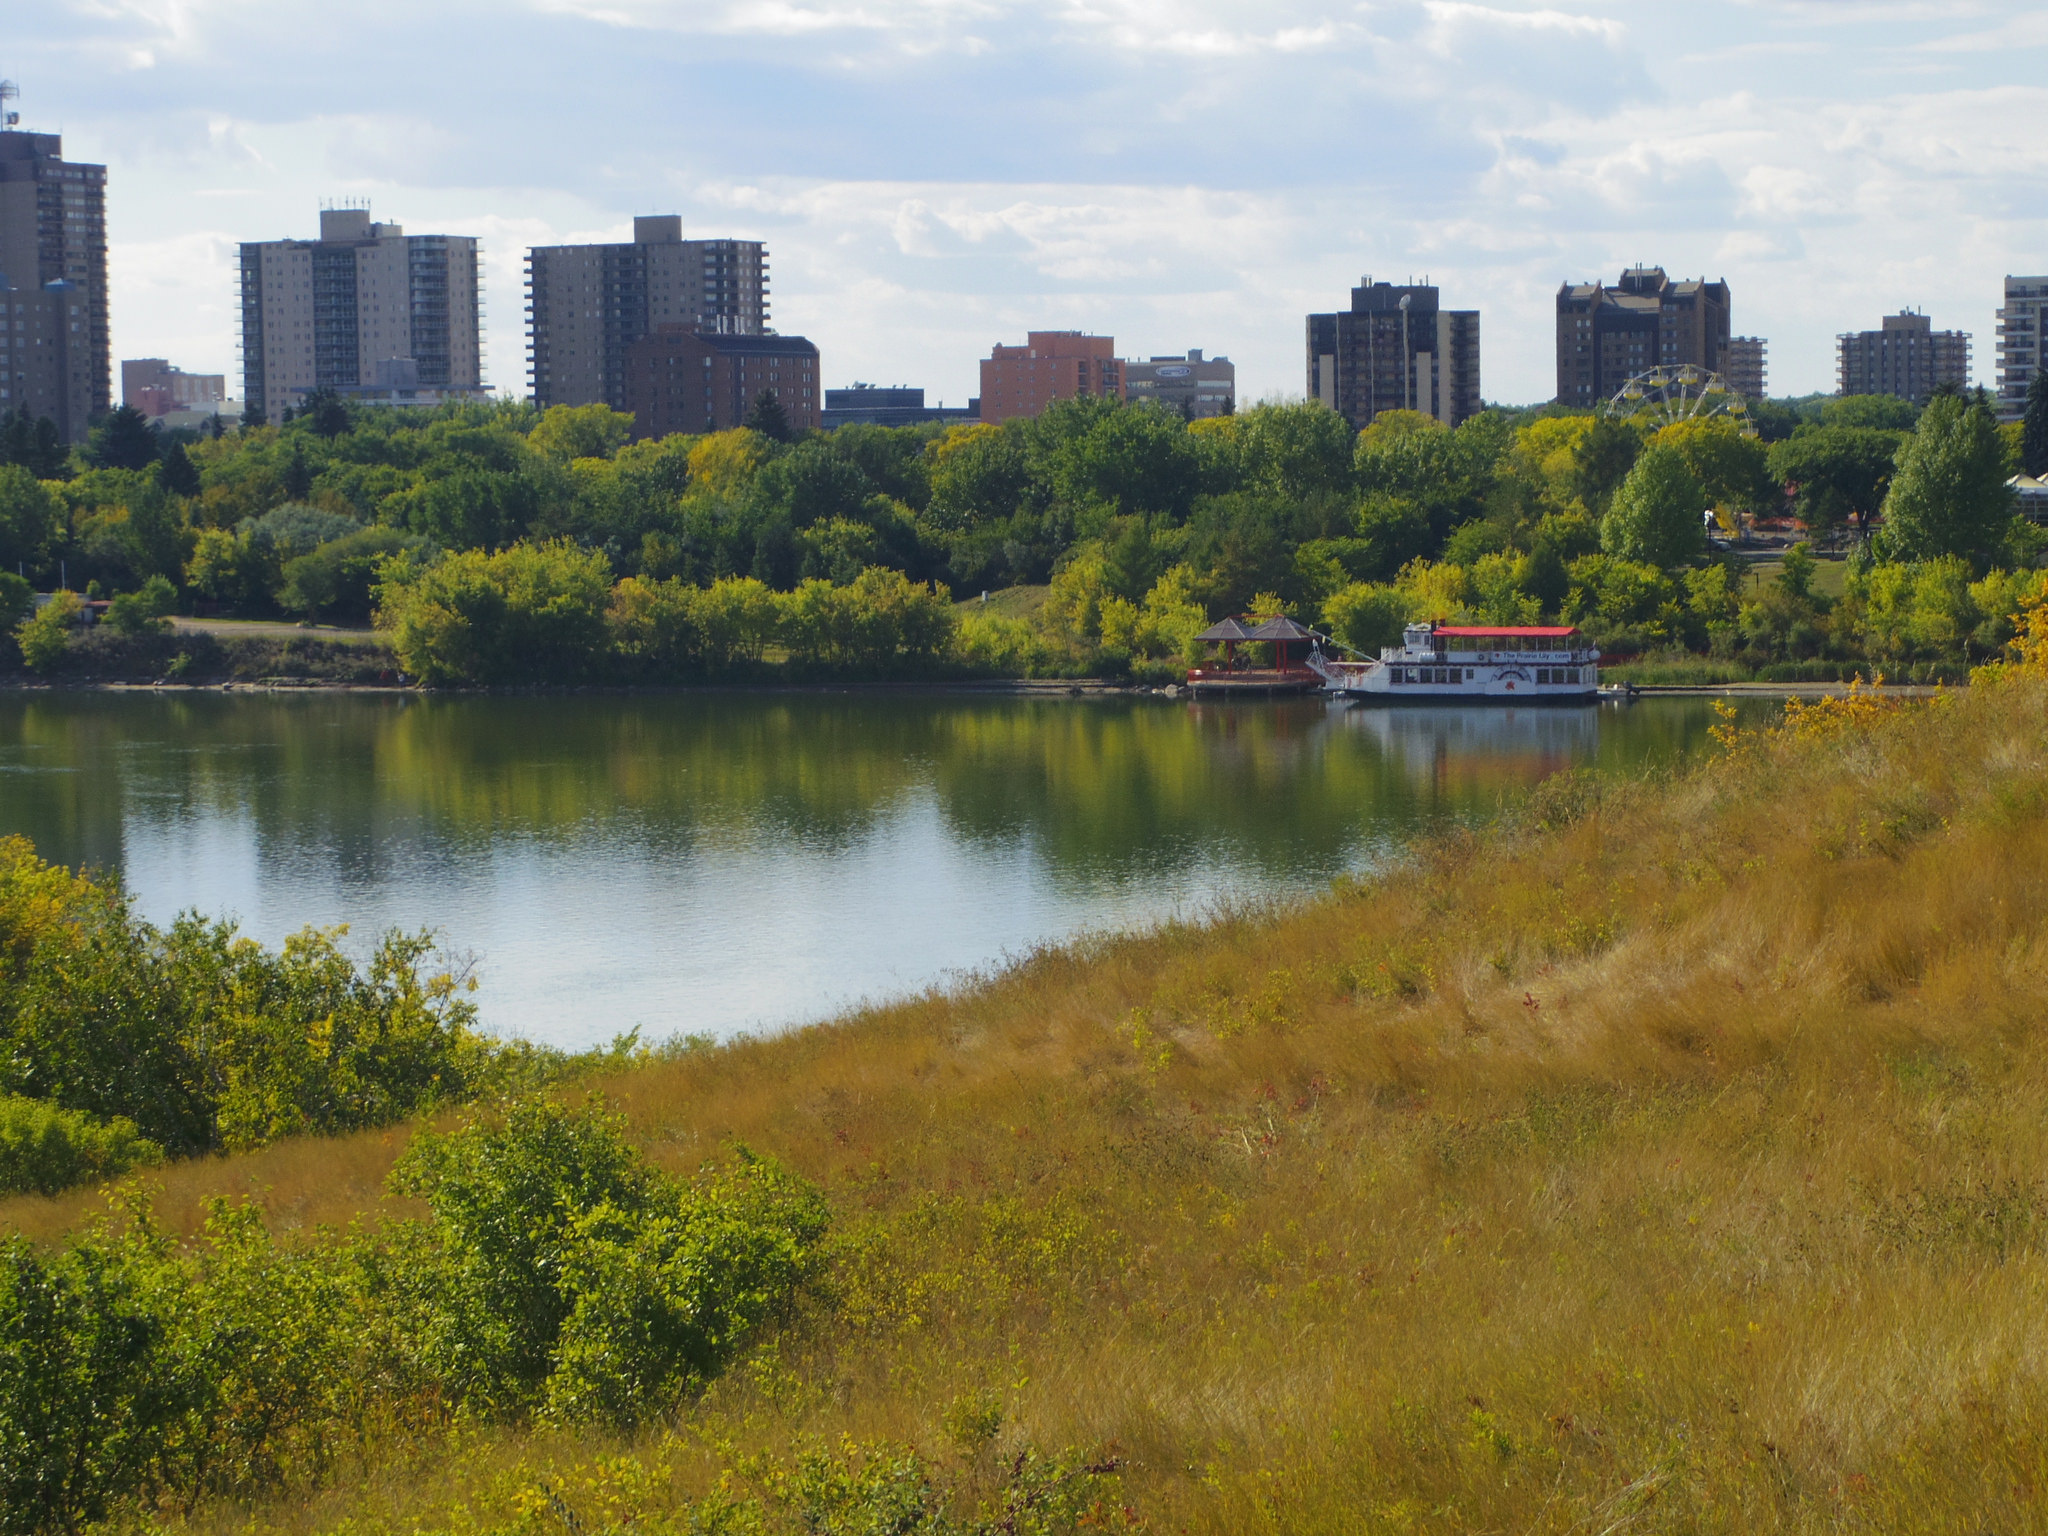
{"x":1150,"y":182}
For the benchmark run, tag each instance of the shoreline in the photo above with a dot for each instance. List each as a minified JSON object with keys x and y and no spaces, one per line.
{"x":1018,"y":687}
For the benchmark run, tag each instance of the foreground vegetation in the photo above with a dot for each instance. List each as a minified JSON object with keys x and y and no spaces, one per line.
{"x":495,"y":544}
{"x":121,"y":1041}
{"x":1669,"y":1158}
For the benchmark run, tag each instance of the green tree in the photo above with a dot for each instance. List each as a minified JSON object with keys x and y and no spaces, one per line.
{"x":124,"y":440}
{"x":326,"y":412}
{"x":1882,"y":413}
{"x":769,"y":418}
{"x":31,"y":521}
{"x":146,"y":610}
{"x":1838,"y":473}
{"x":1298,"y":451}
{"x":1949,"y":496}
{"x":176,"y":472}
{"x":1601,"y":459}
{"x":2034,"y":426}
{"x":334,"y":580}
{"x":1656,"y":515}
{"x":46,"y":637}
{"x":568,"y":432}
{"x":17,"y":600}
{"x":978,"y":475}
{"x":531,"y":613}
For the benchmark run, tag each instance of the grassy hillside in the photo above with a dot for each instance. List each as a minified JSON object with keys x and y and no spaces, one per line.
{"x":1671,"y":1160}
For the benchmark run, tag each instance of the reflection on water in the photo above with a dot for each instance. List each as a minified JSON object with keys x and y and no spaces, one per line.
{"x":712,"y":863}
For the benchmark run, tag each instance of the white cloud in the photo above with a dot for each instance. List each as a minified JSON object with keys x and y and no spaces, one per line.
{"x":933,"y":174}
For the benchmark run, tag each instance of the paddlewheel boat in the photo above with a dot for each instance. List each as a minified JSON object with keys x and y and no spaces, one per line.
{"x":1476,"y":663}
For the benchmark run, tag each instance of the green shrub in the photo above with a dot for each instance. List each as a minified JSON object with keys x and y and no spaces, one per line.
{"x":206,"y":1040}
{"x":44,"y":1149}
{"x":45,"y":638}
{"x":559,"y":1271}
{"x":531,"y":613}
{"x":142,"y":612}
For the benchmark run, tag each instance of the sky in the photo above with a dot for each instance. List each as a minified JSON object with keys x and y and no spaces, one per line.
{"x":934,"y":176}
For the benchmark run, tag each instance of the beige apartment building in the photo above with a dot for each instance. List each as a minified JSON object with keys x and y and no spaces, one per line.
{"x":1051,"y":365}
{"x":2022,"y":320}
{"x":1906,"y":356}
{"x":323,"y":314}
{"x":587,"y":304}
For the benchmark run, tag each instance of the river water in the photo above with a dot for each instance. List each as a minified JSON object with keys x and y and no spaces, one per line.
{"x":713,"y":863}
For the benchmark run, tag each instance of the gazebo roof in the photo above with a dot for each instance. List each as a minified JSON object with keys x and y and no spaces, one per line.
{"x":1282,"y":628}
{"x":1225,"y":629}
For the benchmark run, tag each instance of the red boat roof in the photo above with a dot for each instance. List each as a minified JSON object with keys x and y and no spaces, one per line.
{"x":1489,"y":631}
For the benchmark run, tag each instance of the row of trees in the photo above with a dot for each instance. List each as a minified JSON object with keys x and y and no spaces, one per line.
{"x":552,"y":613}
{"x":1280,"y":504}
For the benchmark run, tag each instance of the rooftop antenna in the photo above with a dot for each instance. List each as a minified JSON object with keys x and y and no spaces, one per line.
{"x":9,"y":91}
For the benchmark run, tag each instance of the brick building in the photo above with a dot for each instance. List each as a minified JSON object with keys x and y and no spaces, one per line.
{"x":1606,"y":336}
{"x":682,"y":380}
{"x":1051,"y":365}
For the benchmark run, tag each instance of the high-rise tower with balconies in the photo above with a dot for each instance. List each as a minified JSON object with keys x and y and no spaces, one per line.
{"x":56,"y":359}
{"x":586,"y":304}
{"x":2021,"y":321}
{"x":336,"y":313}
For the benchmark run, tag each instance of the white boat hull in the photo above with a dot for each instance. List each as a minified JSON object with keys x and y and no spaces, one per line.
{"x":1456,"y":682}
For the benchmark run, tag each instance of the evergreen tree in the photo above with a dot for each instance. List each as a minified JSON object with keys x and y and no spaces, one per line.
{"x":48,"y":458}
{"x":298,"y":476}
{"x":124,"y":439}
{"x":177,"y":473}
{"x":769,"y":419}
{"x":1949,"y":496}
{"x":328,"y":413}
{"x":2034,"y":426}
{"x":253,"y":414}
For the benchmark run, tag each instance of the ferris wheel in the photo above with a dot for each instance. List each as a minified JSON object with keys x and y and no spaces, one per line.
{"x":1666,"y":396}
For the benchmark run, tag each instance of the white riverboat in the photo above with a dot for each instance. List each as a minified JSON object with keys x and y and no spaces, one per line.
{"x":1477,"y":663}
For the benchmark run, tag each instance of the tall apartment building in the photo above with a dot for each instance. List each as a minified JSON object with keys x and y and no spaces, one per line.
{"x":1190,"y":385}
{"x":1606,"y":336}
{"x":1395,"y":349}
{"x":1746,"y":367}
{"x":322,"y":314}
{"x":586,"y":304}
{"x":55,"y":357}
{"x":2022,"y":321}
{"x":1906,"y":357}
{"x":679,"y":379}
{"x":1051,"y":365}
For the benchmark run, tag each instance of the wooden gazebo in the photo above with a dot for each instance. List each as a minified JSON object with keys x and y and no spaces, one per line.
{"x":1228,"y":674}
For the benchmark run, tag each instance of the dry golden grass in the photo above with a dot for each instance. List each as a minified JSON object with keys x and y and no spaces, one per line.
{"x":1679,"y":1166}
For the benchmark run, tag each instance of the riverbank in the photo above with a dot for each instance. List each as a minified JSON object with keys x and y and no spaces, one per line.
{"x":1520,"y":1189}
